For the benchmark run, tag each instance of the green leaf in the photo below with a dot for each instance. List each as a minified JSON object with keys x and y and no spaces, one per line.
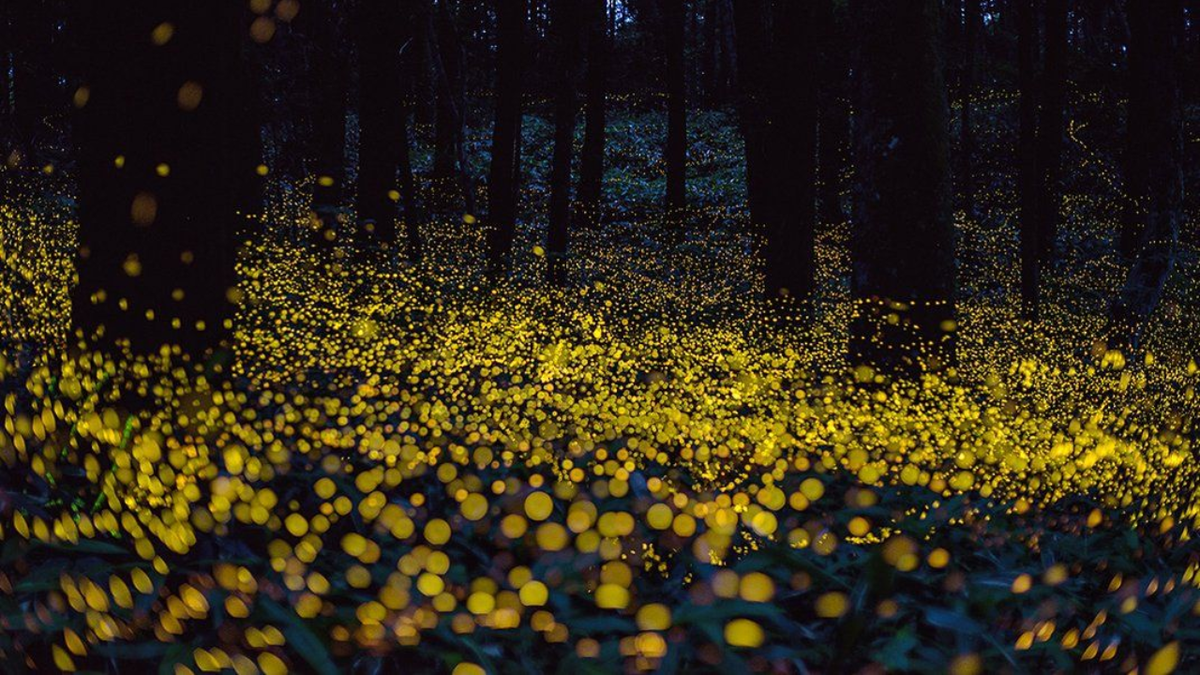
{"x":953,"y":621}
{"x":302,"y":640}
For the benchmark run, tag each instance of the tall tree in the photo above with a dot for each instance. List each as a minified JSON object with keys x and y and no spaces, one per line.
{"x":1052,"y":123}
{"x":1192,"y":88}
{"x":832,"y":107}
{"x":790,"y":249}
{"x":754,"y":89}
{"x":1029,"y":178}
{"x":381,"y":29}
{"x":719,"y":58}
{"x":33,"y":95}
{"x":448,"y":69}
{"x":6,"y":85}
{"x":903,"y":234}
{"x":167,"y":157}
{"x":972,"y":25}
{"x":506,"y":132}
{"x":1155,"y":180}
{"x":327,"y":106}
{"x":591,"y":165}
{"x":424,"y":80}
{"x":564,"y":25}
{"x":675,"y":18}
{"x":777,"y":53}
{"x":448,"y":58}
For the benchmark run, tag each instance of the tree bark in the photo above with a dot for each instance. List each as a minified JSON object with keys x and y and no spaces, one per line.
{"x":159,"y":227}
{"x":565,"y":26}
{"x":448,"y":62}
{"x":383,"y":122}
{"x":424,"y":80}
{"x":1192,"y":40}
{"x":1030,"y":180}
{"x":1156,"y":145}
{"x":32,"y":80}
{"x":327,"y":98}
{"x":674,"y":17}
{"x":502,"y":177}
{"x":972,"y":20}
{"x":590,"y":206}
{"x":727,"y":57}
{"x":711,"y":50}
{"x":1052,"y":124}
{"x":790,"y":247}
{"x":903,"y":234}
{"x":833,"y":110}
{"x":753,"y":62}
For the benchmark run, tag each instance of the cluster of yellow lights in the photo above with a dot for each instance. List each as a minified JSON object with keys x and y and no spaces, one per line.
{"x":409,"y":450}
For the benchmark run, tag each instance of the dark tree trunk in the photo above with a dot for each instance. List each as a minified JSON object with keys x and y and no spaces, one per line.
{"x":565,"y":28}
{"x":447,"y":66}
{"x":502,"y":177}
{"x":973,"y":24}
{"x":753,"y":63}
{"x":34,"y":94}
{"x":952,"y":38}
{"x":1192,"y":40}
{"x":450,"y":160}
{"x":833,"y":110}
{"x":1052,"y":124}
{"x":6,"y":84}
{"x":1156,"y":145}
{"x":9,"y":155}
{"x":159,"y":229}
{"x":383,"y":123}
{"x":674,"y":18}
{"x":327,"y":98}
{"x":727,"y":56}
{"x":1029,"y":178}
{"x":424,"y":81}
{"x":718,"y":52}
{"x":591,"y":166}
{"x":711,"y":50}
{"x":903,"y":234}
{"x":790,"y":255}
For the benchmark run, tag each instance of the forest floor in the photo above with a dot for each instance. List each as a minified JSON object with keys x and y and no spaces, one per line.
{"x":413,"y":469}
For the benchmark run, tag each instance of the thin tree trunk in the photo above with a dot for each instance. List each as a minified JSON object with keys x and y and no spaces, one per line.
{"x":591,"y":167}
{"x":710,"y":51}
{"x":753,"y":61}
{"x":8,"y":135}
{"x":565,"y":27}
{"x":450,"y":160}
{"x":379,"y":27}
{"x":502,"y":178}
{"x":726,"y":56}
{"x":448,"y":59}
{"x":424,"y":80}
{"x":674,"y":16}
{"x":327,"y":94}
{"x":1192,"y":40}
{"x":903,"y":234}
{"x":1156,"y":119}
{"x":1029,"y":178}
{"x":1052,"y":124}
{"x":35,"y":94}
{"x":972,"y":21}
{"x":833,"y":111}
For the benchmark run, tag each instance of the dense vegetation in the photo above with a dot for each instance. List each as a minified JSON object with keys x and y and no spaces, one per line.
{"x":727,"y":376}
